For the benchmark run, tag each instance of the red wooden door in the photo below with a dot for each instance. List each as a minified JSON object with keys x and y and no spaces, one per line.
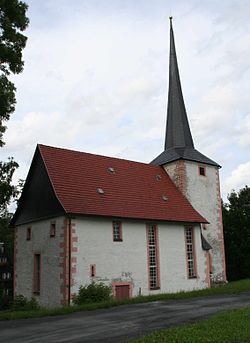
{"x":122,"y":292}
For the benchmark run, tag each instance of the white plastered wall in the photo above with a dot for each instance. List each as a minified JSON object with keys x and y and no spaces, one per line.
{"x":173,"y":267}
{"x":126,"y":261}
{"x":203,"y":194}
{"x":49,"y":248}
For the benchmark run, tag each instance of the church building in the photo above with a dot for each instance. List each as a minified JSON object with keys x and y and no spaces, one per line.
{"x":140,"y":228}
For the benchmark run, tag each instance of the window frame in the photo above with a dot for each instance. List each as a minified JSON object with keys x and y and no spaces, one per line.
{"x":202,"y":168}
{"x":153,"y":254}
{"x":92,"y":271}
{"x":28,"y":233}
{"x":52,"y":232}
{"x":120,"y":238}
{"x":191,"y":261}
{"x":37,"y":274}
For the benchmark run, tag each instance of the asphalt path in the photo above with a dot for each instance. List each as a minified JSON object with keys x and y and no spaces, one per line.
{"x":119,"y":323}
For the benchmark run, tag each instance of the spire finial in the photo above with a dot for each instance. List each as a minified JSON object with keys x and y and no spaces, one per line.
{"x":170,"y":18}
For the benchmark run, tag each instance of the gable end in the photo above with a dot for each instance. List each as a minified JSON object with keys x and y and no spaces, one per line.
{"x":38,"y":199}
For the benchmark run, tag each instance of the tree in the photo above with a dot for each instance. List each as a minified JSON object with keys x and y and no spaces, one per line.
{"x":13,"y":21}
{"x":7,"y":190}
{"x":236,"y":220}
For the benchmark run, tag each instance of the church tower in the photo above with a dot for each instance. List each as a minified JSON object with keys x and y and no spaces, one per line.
{"x":196,"y":175}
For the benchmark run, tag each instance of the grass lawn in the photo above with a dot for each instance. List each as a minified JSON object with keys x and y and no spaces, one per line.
{"x":230,"y":288}
{"x":227,"y":327}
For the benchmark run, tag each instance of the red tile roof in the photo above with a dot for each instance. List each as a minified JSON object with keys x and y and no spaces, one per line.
{"x":131,"y":191}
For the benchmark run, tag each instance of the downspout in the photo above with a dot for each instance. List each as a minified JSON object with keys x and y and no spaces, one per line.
{"x":69,"y":259}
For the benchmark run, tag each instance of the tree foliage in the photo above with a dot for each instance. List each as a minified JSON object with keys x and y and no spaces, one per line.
{"x":7,"y":190}
{"x":236,"y":220}
{"x":8,"y":193}
{"x":13,"y":21}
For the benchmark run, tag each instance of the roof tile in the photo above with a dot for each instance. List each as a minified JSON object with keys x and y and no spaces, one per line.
{"x":133,"y":191}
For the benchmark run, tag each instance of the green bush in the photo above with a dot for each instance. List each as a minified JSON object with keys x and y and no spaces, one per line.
{"x":5,"y":302}
{"x":92,"y":293}
{"x":21,"y":303}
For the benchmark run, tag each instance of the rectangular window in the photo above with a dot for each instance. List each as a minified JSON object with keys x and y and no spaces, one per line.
{"x":153,"y":267}
{"x":52,"y":229}
{"x":28,"y":234}
{"x":92,"y":270}
{"x":37,"y":274}
{"x":202,"y":171}
{"x":117,"y":231}
{"x":190,"y":253}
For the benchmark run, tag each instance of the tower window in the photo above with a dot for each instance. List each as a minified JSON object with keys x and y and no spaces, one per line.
{"x":202,"y":171}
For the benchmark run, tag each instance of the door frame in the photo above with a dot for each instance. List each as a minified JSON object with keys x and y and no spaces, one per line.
{"x":120,"y":283}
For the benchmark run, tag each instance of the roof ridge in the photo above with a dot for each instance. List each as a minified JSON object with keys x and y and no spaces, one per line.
{"x":93,"y":154}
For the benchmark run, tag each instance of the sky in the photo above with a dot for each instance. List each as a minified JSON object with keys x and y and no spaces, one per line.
{"x":96,"y":80}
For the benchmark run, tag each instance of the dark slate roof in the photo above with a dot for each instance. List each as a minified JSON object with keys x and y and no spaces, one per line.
{"x":186,"y":153}
{"x":131,"y":190}
{"x":204,"y":243}
{"x":178,"y":133}
{"x":178,"y":141}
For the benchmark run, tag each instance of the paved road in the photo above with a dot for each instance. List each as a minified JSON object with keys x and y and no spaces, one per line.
{"x":119,"y":323}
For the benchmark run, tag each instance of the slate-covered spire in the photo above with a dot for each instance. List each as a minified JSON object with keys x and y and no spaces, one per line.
{"x":178,"y":141}
{"x":178,"y":133}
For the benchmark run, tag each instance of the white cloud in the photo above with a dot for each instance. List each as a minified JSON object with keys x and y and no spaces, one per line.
{"x":39,"y":127}
{"x":239,"y":178}
{"x":243,"y":131}
{"x":95,"y":79}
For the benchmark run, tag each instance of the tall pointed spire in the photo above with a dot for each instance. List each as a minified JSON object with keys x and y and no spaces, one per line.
{"x":178,"y":140}
{"x":178,"y":133}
